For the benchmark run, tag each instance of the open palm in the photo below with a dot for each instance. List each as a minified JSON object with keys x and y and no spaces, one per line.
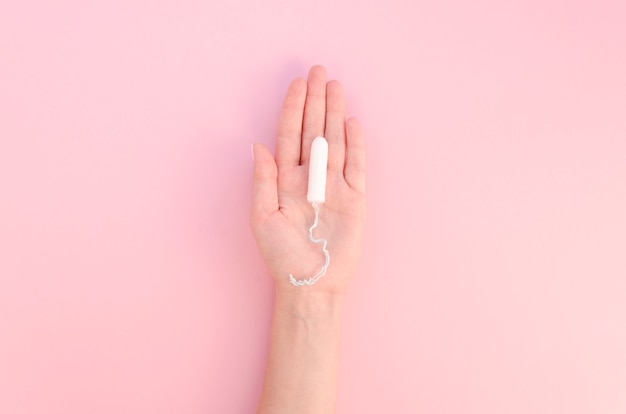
{"x":281,"y":215}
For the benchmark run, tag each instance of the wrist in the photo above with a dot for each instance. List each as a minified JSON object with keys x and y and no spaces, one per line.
{"x":306,"y":302}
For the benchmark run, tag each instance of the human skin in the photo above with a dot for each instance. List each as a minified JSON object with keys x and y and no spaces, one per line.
{"x":303,"y":363}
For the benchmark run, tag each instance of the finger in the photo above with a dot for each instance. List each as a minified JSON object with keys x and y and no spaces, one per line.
{"x":354,"y":171}
{"x":289,"y":135}
{"x":314,"y":110}
{"x":335,"y":131}
{"x":264,"y":187}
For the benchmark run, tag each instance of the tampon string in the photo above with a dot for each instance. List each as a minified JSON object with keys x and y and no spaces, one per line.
{"x":321,"y":273}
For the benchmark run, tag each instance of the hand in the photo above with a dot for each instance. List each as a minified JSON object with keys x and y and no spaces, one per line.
{"x":281,"y":215}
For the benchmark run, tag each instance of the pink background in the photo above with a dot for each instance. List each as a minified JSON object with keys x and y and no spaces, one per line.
{"x":494,"y":273}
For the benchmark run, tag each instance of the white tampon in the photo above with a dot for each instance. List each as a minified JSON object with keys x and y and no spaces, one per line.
{"x":318,"y":163}
{"x":316,"y":194}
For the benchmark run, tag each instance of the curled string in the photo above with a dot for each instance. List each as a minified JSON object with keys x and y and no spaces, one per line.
{"x":322,"y":271}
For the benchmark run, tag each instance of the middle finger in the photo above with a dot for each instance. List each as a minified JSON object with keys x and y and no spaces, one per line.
{"x":314,"y":111}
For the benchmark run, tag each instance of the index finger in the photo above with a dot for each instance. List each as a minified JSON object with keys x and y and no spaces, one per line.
{"x":289,"y":137}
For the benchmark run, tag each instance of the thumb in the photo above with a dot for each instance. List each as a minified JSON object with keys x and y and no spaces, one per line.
{"x":265,"y":189}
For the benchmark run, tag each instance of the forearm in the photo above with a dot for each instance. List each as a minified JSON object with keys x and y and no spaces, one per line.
{"x":303,"y":364}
